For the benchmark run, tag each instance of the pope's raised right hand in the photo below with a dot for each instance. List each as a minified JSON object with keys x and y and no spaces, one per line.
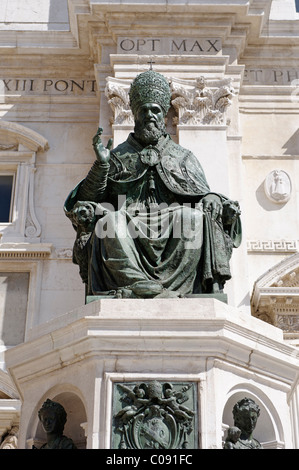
{"x":102,"y":153}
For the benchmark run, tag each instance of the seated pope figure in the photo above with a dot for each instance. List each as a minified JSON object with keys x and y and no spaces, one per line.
{"x":147,"y":223}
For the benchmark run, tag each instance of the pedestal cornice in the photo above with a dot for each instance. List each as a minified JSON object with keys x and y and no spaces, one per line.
{"x":165,"y":328}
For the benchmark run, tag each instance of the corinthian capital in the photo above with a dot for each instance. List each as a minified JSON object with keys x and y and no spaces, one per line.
{"x":201,"y":102}
{"x":117,"y":93}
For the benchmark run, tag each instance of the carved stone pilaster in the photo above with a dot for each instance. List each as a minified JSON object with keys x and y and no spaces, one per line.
{"x":201,"y":102}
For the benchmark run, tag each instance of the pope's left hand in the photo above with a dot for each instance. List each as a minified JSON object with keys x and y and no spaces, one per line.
{"x":212,"y":203}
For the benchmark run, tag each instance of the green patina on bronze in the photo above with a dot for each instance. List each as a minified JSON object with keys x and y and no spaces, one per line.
{"x":239,"y":436}
{"x":53,"y":416}
{"x":148,"y":225}
{"x":154,"y":415}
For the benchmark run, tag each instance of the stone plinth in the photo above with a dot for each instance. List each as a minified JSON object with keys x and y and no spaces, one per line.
{"x":77,"y":358}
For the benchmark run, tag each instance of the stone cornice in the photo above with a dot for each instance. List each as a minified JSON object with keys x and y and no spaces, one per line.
{"x":90,"y":331}
{"x":93,"y":23}
{"x":25,"y":250}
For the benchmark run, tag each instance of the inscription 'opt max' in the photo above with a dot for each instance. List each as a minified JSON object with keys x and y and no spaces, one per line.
{"x":194,"y":46}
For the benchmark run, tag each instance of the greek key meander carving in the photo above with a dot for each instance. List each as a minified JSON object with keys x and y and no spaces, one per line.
{"x":154,"y":415}
{"x":272,"y":245}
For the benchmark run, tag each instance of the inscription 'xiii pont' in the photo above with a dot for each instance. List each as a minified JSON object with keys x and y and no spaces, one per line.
{"x":191,"y":46}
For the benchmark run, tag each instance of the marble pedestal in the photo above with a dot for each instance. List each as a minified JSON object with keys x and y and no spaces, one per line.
{"x":226,"y":354}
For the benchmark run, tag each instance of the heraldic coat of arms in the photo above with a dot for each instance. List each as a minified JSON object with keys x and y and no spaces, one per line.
{"x":154,"y":415}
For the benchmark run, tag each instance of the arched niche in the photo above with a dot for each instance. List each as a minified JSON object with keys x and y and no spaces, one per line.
{"x":75,"y":426}
{"x":268,"y":431}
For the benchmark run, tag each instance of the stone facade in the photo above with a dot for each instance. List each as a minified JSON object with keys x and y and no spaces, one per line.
{"x":66,"y":67}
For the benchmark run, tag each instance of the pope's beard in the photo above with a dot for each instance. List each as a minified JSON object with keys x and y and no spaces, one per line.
{"x":150,"y":132}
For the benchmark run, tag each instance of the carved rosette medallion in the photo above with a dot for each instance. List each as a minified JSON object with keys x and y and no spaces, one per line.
{"x":154,"y":415}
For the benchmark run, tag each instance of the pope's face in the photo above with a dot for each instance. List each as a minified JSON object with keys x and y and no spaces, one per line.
{"x":149,"y":123}
{"x":150,"y":112}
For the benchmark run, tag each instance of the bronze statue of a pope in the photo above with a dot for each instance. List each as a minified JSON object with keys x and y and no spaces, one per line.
{"x":148,"y":225}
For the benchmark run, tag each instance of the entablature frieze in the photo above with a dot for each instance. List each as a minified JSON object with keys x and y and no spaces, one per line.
{"x":97,"y":24}
{"x":240,"y":33}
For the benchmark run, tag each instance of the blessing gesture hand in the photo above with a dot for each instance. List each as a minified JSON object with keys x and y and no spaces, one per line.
{"x":102,"y":153}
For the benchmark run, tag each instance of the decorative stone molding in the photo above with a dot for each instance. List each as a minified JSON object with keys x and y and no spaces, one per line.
{"x":288,"y":246}
{"x":201,"y":102}
{"x":7,"y":386}
{"x":278,"y":186}
{"x":25,"y":250}
{"x":63,"y":253}
{"x":275,"y":297}
{"x":32,"y":226}
{"x":117,"y":93}
{"x":18,"y":148}
{"x":9,"y":414}
{"x":197,"y":102}
{"x":11,"y":438}
{"x":14,"y":135}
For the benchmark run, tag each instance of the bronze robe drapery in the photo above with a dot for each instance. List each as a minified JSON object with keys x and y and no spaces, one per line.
{"x":153,"y":232}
